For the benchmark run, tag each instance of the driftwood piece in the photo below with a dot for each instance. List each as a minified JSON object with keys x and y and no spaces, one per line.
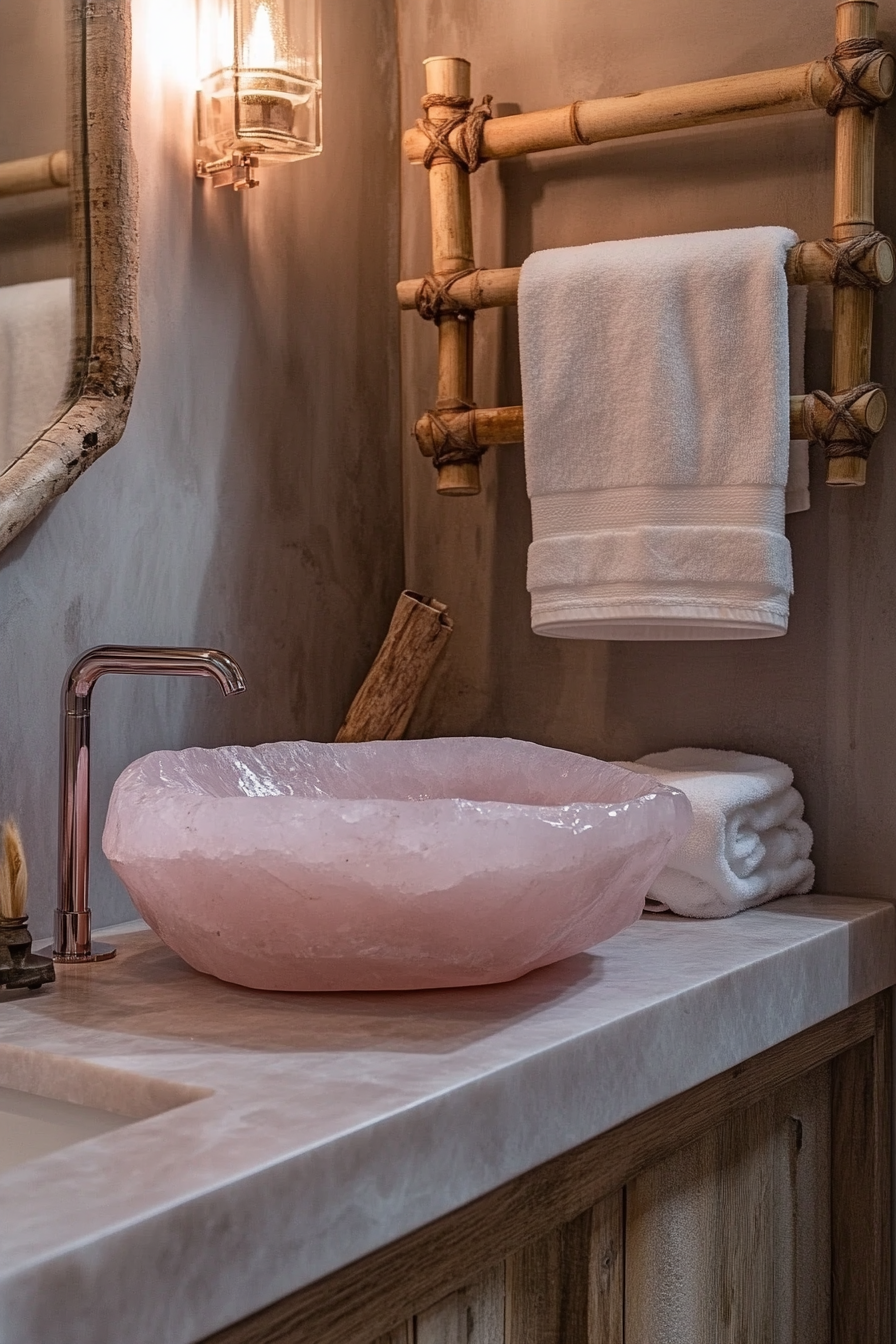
{"x":417,"y":634}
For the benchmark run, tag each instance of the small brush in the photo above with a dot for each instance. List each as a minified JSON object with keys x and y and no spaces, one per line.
{"x":19,"y":967}
{"x":13,"y":874}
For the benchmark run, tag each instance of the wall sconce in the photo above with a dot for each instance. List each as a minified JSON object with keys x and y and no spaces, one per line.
{"x":259,"y":96}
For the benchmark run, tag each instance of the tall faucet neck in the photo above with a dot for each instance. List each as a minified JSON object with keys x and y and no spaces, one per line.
{"x":146,"y":660}
{"x":73,"y":941}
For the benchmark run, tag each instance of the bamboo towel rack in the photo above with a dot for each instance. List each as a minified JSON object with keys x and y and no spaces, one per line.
{"x":453,"y":138}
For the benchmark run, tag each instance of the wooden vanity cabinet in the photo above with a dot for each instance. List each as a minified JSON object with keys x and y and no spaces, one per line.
{"x":752,"y":1209}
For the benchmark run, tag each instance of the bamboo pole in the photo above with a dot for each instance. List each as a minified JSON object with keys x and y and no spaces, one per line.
{"x":795,"y":88}
{"x":417,"y":635}
{"x":807,"y":264}
{"x":452,"y":250}
{"x":44,"y":172}
{"x":853,"y":217}
{"x":504,"y":424}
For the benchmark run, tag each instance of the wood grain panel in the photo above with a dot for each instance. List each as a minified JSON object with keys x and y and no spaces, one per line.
{"x":741,"y":1242}
{"x":727,"y":1242}
{"x":548,"y":1287}
{"x":402,"y":1334}
{"x":671,"y":1250}
{"x":473,"y":1315}
{"x":861,"y":1103}
{"x":606,"y":1321}
{"x":802,"y":1213}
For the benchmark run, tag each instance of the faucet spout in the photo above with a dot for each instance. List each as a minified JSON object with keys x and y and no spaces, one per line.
{"x":72,"y":941}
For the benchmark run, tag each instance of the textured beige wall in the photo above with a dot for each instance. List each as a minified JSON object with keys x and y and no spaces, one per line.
{"x":254,"y":501}
{"x":823,"y":697}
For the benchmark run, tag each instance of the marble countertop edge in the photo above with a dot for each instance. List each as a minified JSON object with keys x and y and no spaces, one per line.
{"x":464,"y":1093}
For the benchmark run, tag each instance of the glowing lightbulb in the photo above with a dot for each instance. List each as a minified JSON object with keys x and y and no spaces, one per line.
{"x":261,"y":49}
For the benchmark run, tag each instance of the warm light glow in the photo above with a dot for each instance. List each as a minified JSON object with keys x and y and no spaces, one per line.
{"x":225,"y":39}
{"x":215,"y":36}
{"x":261,"y":49}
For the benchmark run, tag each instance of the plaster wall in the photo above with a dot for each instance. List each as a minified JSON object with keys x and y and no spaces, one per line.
{"x":820,"y":698}
{"x":254,"y":501}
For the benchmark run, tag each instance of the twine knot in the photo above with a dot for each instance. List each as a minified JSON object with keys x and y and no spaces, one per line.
{"x":845,"y":257}
{"x":454,"y":442}
{"x":468,"y":121}
{"x":848,"y":91}
{"x":434,"y":297}
{"x":857,"y":439}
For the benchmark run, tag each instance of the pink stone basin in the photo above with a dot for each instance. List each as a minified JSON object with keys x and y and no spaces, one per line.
{"x":386,"y":865}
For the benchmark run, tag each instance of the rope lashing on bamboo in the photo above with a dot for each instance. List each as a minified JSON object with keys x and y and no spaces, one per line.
{"x":468,"y":121}
{"x":434,"y":297}
{"x":455,"y":443}
{"x":848,"y":91}
{"x":845,"y":257}
{"x":858,"y":438}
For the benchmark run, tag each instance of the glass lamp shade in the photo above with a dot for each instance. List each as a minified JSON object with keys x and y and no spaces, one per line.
{"x":259,"y":96}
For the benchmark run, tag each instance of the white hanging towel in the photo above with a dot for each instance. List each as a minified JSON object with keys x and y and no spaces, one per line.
{"x":749,"y":842}
{"x":656,"y":380}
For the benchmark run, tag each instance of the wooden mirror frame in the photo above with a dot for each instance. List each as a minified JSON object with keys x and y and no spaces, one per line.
{"x":106,"y":347}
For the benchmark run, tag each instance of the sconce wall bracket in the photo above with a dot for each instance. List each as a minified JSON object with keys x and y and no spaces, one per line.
{"x":238,"y":171}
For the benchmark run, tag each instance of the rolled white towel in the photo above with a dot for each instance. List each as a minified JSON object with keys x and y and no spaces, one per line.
{"x":749,"y":842}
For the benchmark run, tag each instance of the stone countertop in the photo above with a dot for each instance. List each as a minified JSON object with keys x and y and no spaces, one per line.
{"x":280,"y":1136}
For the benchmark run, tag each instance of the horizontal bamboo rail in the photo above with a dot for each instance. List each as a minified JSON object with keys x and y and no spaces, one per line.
{"x":807,"y":264}
{"x":504,"y":424}
{"x":795,"y":88}
{"x":44,"y":172}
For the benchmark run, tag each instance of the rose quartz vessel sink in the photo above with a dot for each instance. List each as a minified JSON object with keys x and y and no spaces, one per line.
{"x":386,"y":865}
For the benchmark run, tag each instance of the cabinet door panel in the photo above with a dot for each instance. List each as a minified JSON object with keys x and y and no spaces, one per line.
{"x":728,"y":1242}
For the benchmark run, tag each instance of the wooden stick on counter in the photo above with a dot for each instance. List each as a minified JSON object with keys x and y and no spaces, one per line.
{"x":417,"y":635}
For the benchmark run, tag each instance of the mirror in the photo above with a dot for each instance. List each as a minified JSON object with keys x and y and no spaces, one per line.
{"x":68,"y":257}
{"x":35,"y":231}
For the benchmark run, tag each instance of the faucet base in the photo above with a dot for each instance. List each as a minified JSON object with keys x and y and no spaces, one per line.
{"x":98,"y":952}
{"x":73,"y":942}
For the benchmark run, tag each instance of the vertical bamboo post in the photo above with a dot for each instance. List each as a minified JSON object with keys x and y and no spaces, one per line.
{"x":853,"y":217}
{"x":452,"y":250}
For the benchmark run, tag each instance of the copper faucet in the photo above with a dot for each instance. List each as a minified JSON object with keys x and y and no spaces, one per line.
{"x":72,"y":942}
